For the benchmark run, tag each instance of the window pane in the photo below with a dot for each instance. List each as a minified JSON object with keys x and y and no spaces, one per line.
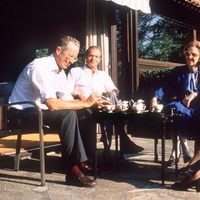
{"x":161,"y":38}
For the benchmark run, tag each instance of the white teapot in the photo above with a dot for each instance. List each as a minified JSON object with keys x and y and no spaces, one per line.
{"x":138,"y":106}
{"x":109,"y":108}
{"x":122,"y":106}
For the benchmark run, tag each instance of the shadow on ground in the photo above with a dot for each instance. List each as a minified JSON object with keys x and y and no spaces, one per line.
{"x":136,"y":170}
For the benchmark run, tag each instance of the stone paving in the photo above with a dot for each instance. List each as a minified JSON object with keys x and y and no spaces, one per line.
{"x":138,"y":178}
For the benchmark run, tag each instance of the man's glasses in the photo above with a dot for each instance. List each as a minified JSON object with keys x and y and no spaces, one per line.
{"x":188,"y":54}
{"x":71,"y":58}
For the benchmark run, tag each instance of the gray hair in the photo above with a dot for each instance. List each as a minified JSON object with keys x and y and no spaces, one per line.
{"x":64,"y":41}
{"x":91,"y":47}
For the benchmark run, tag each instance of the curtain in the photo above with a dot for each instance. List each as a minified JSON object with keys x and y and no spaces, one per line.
{"x":97,"y":30}
{"x":97,"y":33}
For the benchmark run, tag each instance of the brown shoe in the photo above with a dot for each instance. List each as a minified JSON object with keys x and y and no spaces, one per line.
{"x":86,"y":169}
{"x":81,"y":180}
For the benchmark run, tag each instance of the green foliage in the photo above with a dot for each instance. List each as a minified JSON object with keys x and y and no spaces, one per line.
{"x":41,"y":52}
{"x":154,"y":76}
{"x":150,"y":80}
{"x":161,"y":38}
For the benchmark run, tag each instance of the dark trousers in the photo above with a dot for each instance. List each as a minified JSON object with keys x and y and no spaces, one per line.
{"x":87,"y":126}
{"x":63,"y":121}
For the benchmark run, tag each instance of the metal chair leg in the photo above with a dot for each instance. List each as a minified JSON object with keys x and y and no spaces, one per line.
{"x":42,"y":160}
{"x":156,"y":150}
{"x":163,"y":154}
{"x":176,"y":156}
{"x":95,"y":158}
{"x":17,"y":153}
{"x":42,"y":155}
{"x":116,"y":150}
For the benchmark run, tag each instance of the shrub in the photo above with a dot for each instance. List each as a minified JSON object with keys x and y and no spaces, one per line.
{"x":149,"y":80}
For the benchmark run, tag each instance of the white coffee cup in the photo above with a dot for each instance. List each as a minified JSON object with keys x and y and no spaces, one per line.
{"x":158,"y":107}
{"x":124,"y":105}
{"x":138,"y":107}
{"x":109,"y":108}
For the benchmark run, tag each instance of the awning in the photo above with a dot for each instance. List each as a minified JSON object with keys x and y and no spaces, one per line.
{"x":192,"y":4}
{"x":142,"y":5}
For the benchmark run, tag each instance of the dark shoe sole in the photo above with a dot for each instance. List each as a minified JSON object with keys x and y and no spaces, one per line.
{"x":170,"y":163}
{"x":187,"y":159}
{"x":135,"y":149}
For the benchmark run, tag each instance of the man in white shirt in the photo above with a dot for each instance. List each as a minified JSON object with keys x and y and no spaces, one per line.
{"x":82,"y":81}
{"x":43,"y":81}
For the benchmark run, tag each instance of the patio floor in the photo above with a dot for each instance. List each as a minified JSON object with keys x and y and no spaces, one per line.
{"x":138,"y":178}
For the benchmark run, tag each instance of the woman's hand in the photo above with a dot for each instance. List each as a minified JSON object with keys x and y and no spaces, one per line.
{"x":188,"y":99}
{"x":153,"y":103}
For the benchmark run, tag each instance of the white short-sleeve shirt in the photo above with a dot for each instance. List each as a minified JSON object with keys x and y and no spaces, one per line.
{"x":81,"y":80}
{"x":41,"y":79}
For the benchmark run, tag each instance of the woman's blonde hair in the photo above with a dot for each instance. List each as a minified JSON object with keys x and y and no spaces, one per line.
{"x":193,"y":44}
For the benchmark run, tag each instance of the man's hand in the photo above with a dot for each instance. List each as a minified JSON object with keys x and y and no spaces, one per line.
{"x":188,"y":99}
{"x":79,"y":96}
{"x":97,"y":100}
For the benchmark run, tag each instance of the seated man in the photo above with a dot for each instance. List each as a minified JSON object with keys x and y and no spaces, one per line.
{"x":87,"y":79}
{"x":43,"y":81}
